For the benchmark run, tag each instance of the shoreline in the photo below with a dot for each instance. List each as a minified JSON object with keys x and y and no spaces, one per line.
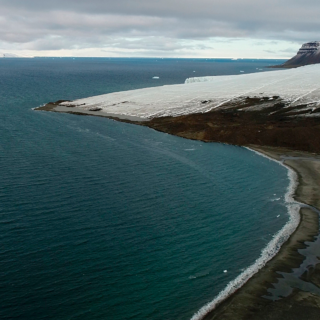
{"x":249,"y":301}
{"x":55,"y":107}
{"x":253,"y":299}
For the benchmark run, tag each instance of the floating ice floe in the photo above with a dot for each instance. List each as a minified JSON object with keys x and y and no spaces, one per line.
{"x":203,"y":94}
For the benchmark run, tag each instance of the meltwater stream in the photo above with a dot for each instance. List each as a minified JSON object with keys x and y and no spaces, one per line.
{"x":106,"y":220}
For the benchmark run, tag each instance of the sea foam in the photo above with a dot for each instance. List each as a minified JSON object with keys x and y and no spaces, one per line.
{"x":269,"y":251}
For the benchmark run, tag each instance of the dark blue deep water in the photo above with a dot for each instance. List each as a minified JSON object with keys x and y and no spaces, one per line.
{"x":106,"y":220}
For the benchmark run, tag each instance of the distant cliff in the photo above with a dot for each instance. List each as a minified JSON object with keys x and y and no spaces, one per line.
{"x":12,"y":55}
{"x":309,"y":53}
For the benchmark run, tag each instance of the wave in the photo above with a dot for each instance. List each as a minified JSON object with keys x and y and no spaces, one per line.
{"x":269,"y":251}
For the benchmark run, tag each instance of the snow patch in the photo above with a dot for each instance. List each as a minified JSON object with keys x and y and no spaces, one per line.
{"x":299,"y":85}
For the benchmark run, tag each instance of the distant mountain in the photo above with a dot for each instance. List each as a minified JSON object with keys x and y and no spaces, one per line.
{"x":12,"y":55}
{"x":309,"y":53}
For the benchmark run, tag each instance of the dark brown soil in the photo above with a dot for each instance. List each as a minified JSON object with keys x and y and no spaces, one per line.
{"x":275,"y":124}
{"x":272,"y":126}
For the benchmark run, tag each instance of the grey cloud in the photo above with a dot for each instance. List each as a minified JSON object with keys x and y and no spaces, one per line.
{"x":290,"y":50}
{"x":44,"y":25}
{"x":176,"y":8}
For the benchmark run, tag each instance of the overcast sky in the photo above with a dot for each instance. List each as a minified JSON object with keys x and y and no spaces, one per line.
{"x":158,"y":28}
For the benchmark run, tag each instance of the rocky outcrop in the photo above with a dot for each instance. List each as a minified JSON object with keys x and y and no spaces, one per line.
{"x":249,"y":121}
{"x":309,"y":53}
{"x":244,"y":121}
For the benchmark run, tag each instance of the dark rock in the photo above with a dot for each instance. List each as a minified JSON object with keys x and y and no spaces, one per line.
{"x":95,"y":109}
{"x":309,"y":53}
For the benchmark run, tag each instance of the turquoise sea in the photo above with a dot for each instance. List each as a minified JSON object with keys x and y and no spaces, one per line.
{"x":107,"y":220}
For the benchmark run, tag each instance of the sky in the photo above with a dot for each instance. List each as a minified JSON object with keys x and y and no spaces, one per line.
{"x":158,"y":28}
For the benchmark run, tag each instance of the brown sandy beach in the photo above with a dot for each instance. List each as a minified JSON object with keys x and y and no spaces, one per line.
{"x":295,"y":292}
{"x":254,"y":300}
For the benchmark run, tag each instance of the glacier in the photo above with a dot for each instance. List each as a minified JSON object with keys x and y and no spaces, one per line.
{"x":297,"y":86}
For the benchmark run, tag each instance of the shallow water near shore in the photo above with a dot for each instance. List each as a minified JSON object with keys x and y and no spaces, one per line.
{"x":106,"y":220}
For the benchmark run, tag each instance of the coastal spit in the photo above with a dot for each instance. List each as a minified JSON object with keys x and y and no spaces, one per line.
{"x":276,"y":113}
{"x":275,"y":108}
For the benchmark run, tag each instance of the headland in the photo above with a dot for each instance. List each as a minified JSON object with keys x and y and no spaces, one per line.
{"x":309,"y":53}
{"x":288,"y":286}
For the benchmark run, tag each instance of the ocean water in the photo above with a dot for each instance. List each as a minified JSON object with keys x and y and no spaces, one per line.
{"x":107,"y":220}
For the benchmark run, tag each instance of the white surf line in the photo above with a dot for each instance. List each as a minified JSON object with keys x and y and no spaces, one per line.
{"x":269,"y":251}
